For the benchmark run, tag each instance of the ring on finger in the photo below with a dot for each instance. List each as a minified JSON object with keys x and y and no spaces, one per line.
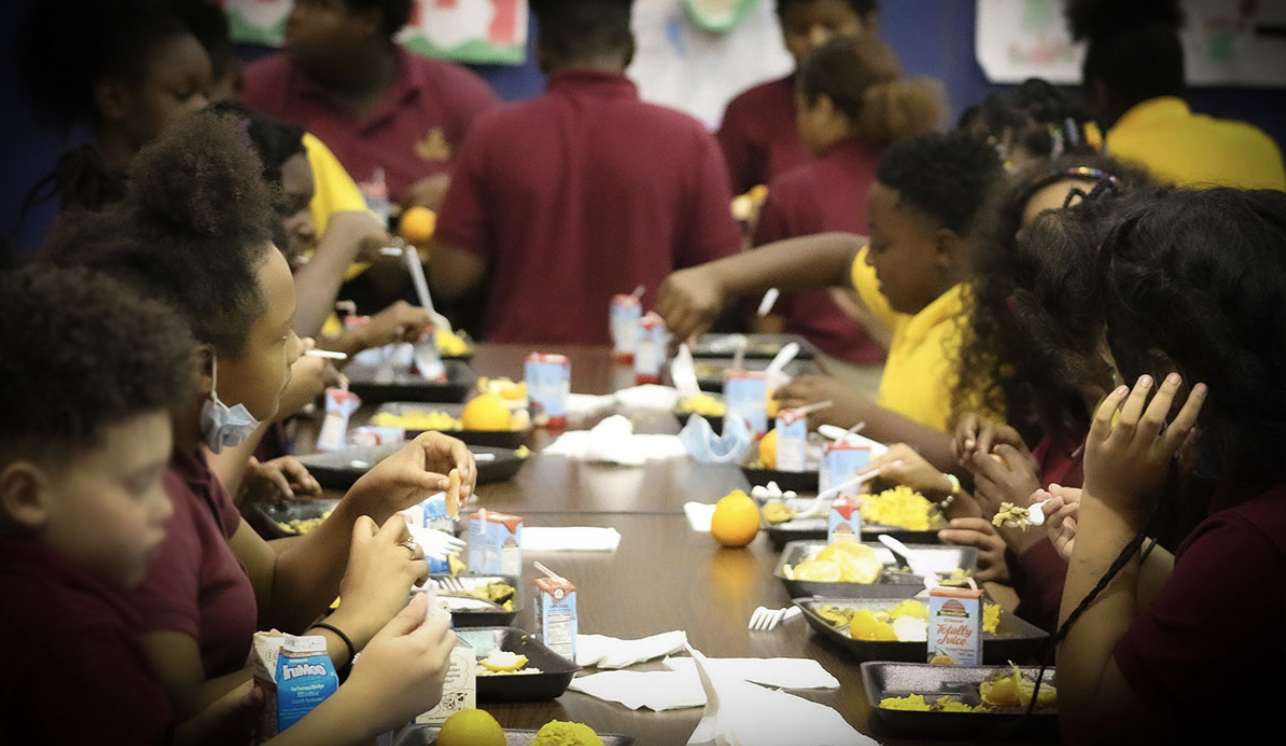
{"x":410,"y":544}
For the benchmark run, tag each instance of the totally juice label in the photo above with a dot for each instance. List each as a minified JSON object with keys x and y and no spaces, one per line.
{"x":955,"y":626}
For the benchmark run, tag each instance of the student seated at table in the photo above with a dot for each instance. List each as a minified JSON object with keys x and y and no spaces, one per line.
{"x":1133,"y":78}
{"x":923,"y":211}
{"x":583,"y":192}
{"x":127,"y":69}
{"x":759,"y":133}
{"x":195,"y":232}
{"x":852,"y":104}
{"x":83,"y":513}
{"x":379,"y":107}
{"x":1189,"y":290}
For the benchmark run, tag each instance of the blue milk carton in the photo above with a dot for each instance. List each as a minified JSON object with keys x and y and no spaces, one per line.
{"x":495,"y":543}
{"x":432,"y":513}
{"x":840,"y":463}
{"x":746,"y":392}
{"x":295,"y":674}
{"x":792,"y":440}
{"x":548,"y":379}
{"x":556,"y":615}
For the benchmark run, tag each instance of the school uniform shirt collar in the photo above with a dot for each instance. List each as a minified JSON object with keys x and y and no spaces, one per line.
{"x":946,"y":308}
{"x":1159,"y":111}
{"x":597,"y":82}
{"x":408,"y":81}
{"x":190,"y":465}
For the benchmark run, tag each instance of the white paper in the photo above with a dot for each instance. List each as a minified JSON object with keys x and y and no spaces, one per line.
{"x":649,"y":396}
{"x":613,"y":441}
{"x":782,"y":673}
{"x":570,"y":539}
{"x":655,"y":690}
{"x":611,"y":652}
{"x":700,"y":515}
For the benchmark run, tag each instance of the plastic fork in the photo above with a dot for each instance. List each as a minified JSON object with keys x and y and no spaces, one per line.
{"x":436,"y":544}
{"x":451,"y":584}
{"x":815,"y":507}
{"x":765,"y":619}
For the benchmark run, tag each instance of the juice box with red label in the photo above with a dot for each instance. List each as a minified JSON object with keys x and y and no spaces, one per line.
{"x":792,"y":440}
{"x":623,"y":323}
{"x":556,"y":615}
{"x":548,"y":380}
{"x":495,"y":541}
{"x":955,"y":626}
{"x":845,"y":519}
{"x":840,"y":463}
{"x":649,"y":353}
{"x":746,"y":392}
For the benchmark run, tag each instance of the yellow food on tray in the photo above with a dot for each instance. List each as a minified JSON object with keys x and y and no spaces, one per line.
{"x":496,"y":593}
{"x":560,"y":733}
{"x":917,"y":703}
{"x":451,"y":344}
{"x":1014,"y":516}
{"x":777,"y":512}
{"x":910,"y":609}
{"x":1014,"y":690}
{"x":841,"y":562}
{"x":417,"y":420}
{"x":303,"y":525}
{"x":900,"y":506}
{"x":704,"y":405}
{"x":505,"y":388}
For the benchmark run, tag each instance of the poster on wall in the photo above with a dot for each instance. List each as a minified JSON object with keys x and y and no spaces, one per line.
{"x":482,"y":31}
{"x":1225,"y":42}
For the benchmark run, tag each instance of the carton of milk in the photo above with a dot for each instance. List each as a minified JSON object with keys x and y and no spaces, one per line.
{"x":746,"y":392}
{"x":792,"y":440}
{"x":495,"y":543}
{"x":460,"y":689}
{"x":840,"y":463}
{"x":845,"y":522}
{"x":955,"y":626}
{"x":556,"y":615}
{"x":432,"y":513}
{"x":295,"y":674}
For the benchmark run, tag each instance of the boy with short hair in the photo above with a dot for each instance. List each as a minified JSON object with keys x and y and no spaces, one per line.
{"x":581,"y":193}
{"x":90,"y":374}
{"x":923,"y":210}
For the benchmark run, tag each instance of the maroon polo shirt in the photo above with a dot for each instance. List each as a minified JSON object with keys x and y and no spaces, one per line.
{"x":413,"y":132}
{"x":759,"y":136}
{"x":74,"y":671}
{"x":827,"y":194}
{"x":1039,"y":574}
{"x":578,"y":194}
{"x":1216,"y":626}
{"x":196,"y":585}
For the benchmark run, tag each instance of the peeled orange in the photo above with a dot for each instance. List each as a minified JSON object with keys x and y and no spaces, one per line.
{"x":417,"y":225}
{"x":768,"y":449}
{"x":736,"y":520}
{"x":486,"y":412}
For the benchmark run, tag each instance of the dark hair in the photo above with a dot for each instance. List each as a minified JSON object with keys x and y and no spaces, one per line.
{"x":79,"y":353}
{"x":275,"y":141}
{"x":1037,"y":117}
{"x":862,"y":78}
{"x":862,"y":8}
{"x":1031,"y":341}
{"x":581,"y":29}
{"x":1193,"y":283}
{"x":192,"y":232}
{"x":1134,"y":47}
{"x":65,"y":47}
{"x":394,"y":14}
{"x":209,"y":24}
{"x":945,"y":177}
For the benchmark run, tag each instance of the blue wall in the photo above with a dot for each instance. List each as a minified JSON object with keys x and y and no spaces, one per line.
{"x":932,"y":37}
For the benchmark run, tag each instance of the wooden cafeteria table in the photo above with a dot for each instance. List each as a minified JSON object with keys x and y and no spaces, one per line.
{"x":663,"y":577}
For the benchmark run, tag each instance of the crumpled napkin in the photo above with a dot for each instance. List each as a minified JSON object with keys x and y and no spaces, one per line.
{"x":702,"y":444}
{"x":649,"y":396}
{"x":613,"y":441}
{"x":586,"y":404}
{"x":681,"y":686}
{"x":739,"y":713}
{"x":700,"y":515}
{"x":611,"y":652}
{"x":570,"y":539}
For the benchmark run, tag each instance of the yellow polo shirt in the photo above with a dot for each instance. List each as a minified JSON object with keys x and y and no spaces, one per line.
{"x":333,"y":191}
{"x":920,"y":372}
{"x":1163,"y":135}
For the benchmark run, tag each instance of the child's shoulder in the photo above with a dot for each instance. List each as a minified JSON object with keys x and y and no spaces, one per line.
{"x":51,"y":595}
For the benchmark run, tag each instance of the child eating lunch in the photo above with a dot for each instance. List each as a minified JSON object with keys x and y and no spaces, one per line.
{"x":195,"y":232}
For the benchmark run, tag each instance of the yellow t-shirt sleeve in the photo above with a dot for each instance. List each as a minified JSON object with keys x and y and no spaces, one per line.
{"x":868,"y":289}
{"x":333,"y":191}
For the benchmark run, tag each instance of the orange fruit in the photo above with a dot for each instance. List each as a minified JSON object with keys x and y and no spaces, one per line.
{"x":471,"y":728}
{"x":768,"y":449}
{"x":736,"y":520}
{"x":486,"y":412}
{"x":417,"y":225}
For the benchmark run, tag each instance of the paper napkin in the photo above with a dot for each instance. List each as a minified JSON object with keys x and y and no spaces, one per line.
{"x":570,"y":539}
{"x":610,"y":652}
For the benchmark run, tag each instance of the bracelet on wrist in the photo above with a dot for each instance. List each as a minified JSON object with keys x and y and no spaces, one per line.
{"x":945,"y":502}
{"x":348,"y":643}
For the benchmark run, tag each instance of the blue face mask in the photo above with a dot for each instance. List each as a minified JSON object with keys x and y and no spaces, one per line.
{"x":703,"y":445}
{"x":221,"y":425}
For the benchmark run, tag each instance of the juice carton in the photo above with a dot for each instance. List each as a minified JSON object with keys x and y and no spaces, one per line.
{"x":460,"y":690}
{"x":792,"y":440}
{"x":432,"y":513}
{"x":845,"y":520}
{"x":495,"y":541}
{"x":340,"y":405}
{"x":746,"y":392}
{"x":548,"y":380}
{"x":840,"y":463}
{"x":375,"y":435}
{"x":649,"y":353}
{"x":295,"y":674}
{"x":623,"y":323}
{"x":955,"y":626}
{"x":556,"y":615}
